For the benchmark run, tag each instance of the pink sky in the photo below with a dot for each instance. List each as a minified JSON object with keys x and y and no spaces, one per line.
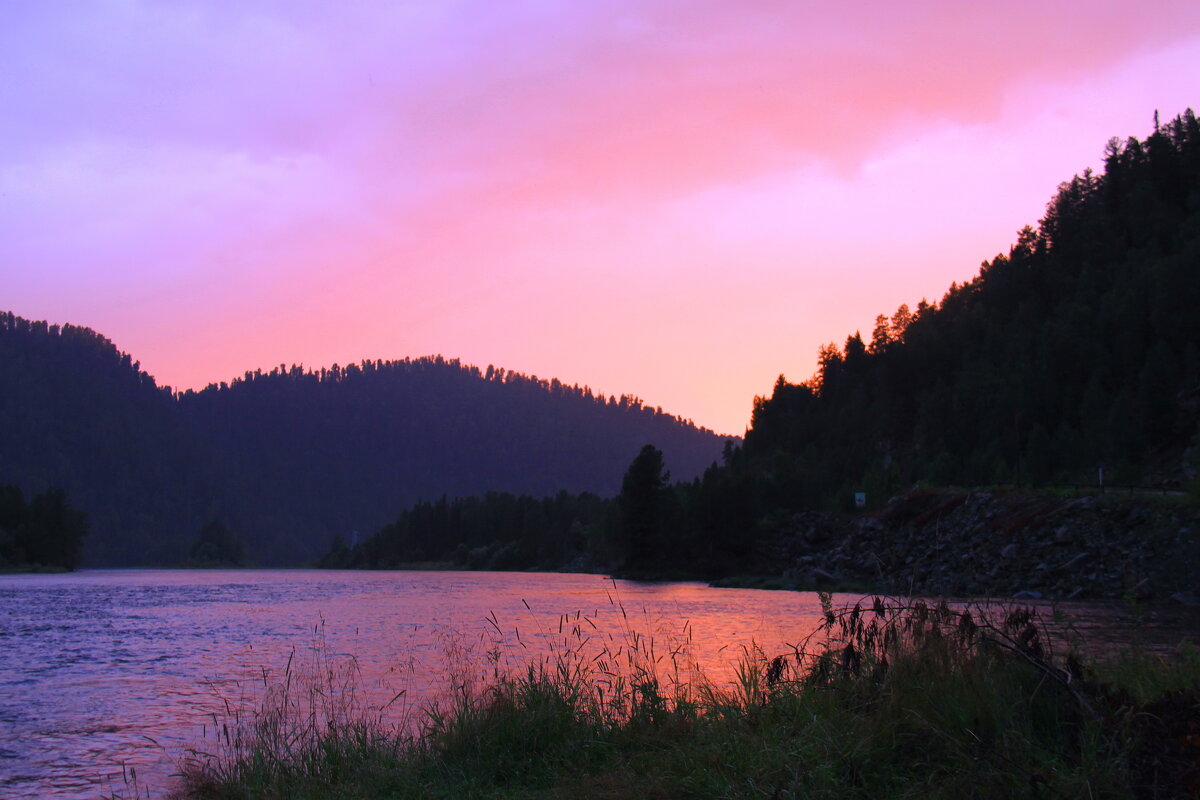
{"x":677,"y":200}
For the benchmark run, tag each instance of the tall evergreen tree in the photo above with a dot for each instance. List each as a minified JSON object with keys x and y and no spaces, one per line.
{"x":645,"y":509}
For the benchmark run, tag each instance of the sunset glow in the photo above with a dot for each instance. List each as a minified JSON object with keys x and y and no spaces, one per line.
{"x":678,"y":201}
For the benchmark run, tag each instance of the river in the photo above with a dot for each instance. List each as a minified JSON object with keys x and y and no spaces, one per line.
{"x":109,"y":673}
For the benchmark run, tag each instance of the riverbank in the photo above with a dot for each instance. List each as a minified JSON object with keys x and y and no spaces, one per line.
{"x":897,"y":701}
{"x":957,"y":543}
{"x":1132,"y":547}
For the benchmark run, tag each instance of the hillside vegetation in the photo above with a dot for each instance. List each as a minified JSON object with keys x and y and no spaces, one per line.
{"x":1081,"y":346}
{"x":291,"y":458}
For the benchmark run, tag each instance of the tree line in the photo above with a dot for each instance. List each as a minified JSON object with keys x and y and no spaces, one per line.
{"x":43,"y":532}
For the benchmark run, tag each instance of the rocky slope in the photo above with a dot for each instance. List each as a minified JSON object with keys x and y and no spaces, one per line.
{"x":1011,"y":544}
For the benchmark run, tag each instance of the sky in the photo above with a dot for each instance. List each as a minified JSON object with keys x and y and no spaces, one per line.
{"x":675,"y":200}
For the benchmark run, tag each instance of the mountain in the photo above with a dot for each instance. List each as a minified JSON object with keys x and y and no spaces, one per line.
{"x":290,"y":458}
{"x":349,"y":447}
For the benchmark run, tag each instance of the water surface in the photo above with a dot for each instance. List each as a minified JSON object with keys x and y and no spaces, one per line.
{"x":105,"y":672}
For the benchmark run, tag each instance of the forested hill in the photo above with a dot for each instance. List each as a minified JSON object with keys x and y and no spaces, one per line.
{"x":290,"y":458}
{"x":76,"y":414}
{"x":355,"y":445}
{"x":1079,"y":347}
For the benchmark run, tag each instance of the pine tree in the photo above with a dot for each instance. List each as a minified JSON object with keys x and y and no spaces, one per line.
{"x":644,"y":507}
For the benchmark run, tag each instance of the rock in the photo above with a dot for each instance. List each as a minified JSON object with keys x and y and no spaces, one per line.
{"x":928,"y":541}
{"x":812,"y":578}
{"x":1027,"y":594}
{"x":1186,"y":598}
{"x":1074,"y":560}
{"x":822,"y":575}
{"x":1142,"y":590}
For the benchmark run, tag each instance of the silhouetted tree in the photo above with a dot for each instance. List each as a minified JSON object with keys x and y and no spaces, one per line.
{"x":645,"y":509}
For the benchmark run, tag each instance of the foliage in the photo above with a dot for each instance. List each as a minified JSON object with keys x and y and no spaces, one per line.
{"x":494,"y":531}
{"x":46,"y":532}
{"x":217,"y":546}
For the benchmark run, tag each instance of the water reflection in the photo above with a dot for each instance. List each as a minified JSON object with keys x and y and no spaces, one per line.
{"x":107,"y":671}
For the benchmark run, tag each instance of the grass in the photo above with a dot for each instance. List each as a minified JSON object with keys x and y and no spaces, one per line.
{"x":888,"y":699}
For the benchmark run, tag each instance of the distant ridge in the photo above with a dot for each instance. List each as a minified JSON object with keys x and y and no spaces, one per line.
{"x":290,"y":458}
